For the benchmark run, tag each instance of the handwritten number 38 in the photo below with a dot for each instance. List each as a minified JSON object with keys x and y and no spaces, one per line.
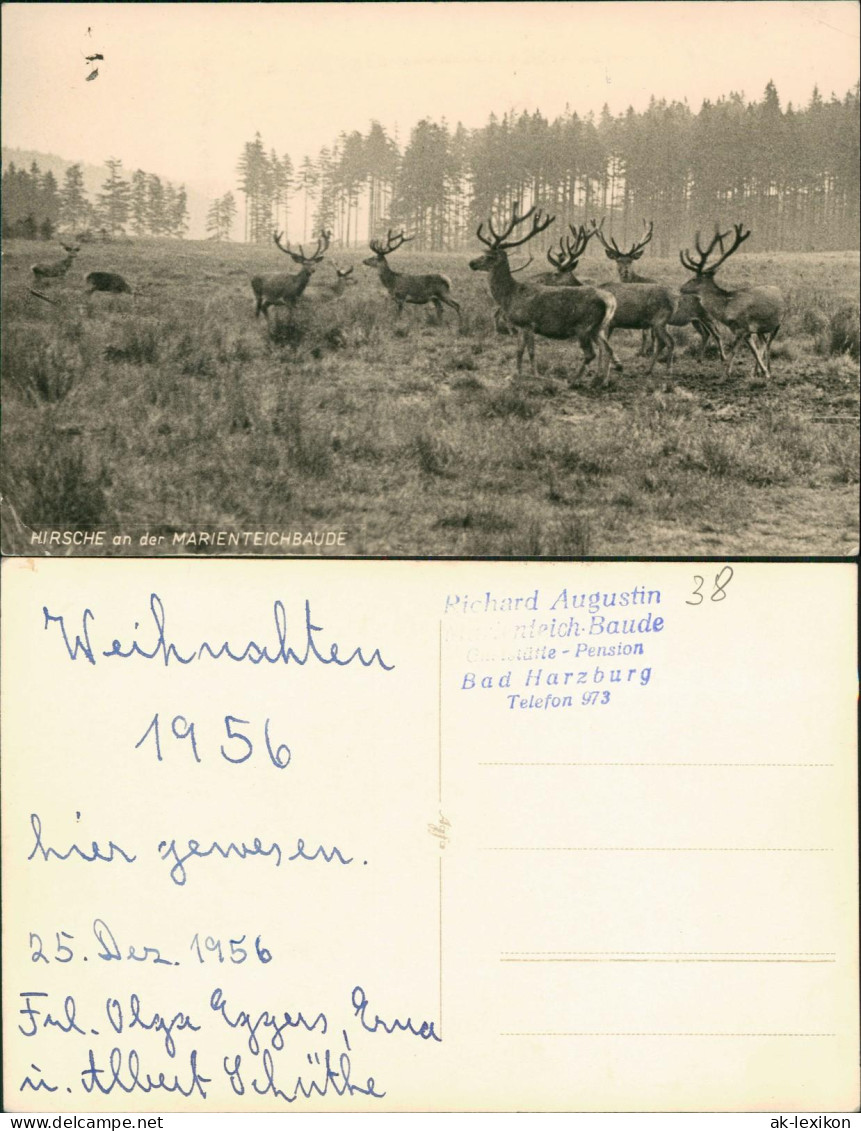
{"x":718,"y":593}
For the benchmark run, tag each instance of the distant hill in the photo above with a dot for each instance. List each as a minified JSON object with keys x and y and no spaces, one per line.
{"x":94,"y":177}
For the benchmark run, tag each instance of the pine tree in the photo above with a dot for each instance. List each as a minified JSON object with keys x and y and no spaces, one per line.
{"x":307,"y":182}
{"x":352,"y":172}
{"x":74,"y":206}
{"x":325,"y":212}
{"x":138,"y":203}
{"x":178,"y":215}
{"x":214,"y":222}
{"x":156,"y":212}
{"x":286,"y":184}
{"x":220,"y":217}
{"x":257,"y":183}
{"x":228,"y":213}
{"x":49,"y":206}
{"x":114,"y":198}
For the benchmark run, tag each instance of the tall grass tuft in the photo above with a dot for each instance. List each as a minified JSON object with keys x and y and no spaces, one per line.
{"x":40,"y":371}
{"x":140,"y":343}
{"x":308,"y":443}
{"x":61,"y":488}
{"x":572,"y":537}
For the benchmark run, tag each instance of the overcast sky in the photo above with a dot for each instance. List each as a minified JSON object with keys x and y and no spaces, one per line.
{"x":183,"y":86}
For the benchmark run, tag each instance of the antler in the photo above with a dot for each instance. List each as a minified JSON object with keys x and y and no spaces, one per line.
{"x":570,"y":252}
{"x":498,"y":239}
{"x":392,"y":243}
{"x":718,"y":238}
{"x":638,"y":248}
{"x":322,"y":247}
{"x":558,"y":261}
{"x":277,"y":237}
{"x":301,"y":257}
{"x":581,"y":242}
{"x":614,"y":252}
{"x":342,"y":274}
{"x":522,"y":266}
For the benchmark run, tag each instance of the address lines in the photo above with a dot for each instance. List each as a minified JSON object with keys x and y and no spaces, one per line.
{"x":681,"y":957}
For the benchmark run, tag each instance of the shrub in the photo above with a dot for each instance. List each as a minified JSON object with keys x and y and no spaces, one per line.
{"x":434,"y":455}
{"x":844,"y":331}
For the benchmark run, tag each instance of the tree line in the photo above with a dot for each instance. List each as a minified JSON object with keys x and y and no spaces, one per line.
{"x":791,"y":174}
{"x":35,"y":206}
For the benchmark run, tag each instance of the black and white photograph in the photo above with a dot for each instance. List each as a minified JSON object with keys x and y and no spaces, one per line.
{"x":513,"y":280}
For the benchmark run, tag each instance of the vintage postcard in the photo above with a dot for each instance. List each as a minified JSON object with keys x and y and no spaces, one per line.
{"x":442,"y":280}
{"x":449,"y":836}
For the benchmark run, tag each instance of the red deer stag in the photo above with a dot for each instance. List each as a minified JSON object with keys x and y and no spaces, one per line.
{"x":499,"y":323}
{"x":753,"y":313}
{"x":58,"y":268}
{"x":565,"y":261}
{"x":689,"y":311}
{"x":553,"y":312}
{"x":416,"y":289}
{"x":284,"y":289}
{"x":644,"y":306}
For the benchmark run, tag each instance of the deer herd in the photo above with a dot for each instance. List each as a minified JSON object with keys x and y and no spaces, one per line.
{"x":555,"y":304}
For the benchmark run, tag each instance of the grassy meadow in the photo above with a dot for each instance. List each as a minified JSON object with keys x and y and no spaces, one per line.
{"x":174,"y":409}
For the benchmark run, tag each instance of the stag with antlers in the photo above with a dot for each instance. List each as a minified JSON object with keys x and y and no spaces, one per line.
{"x":564,"y":262}
{"x":559,"y":312}
{"x":344,"y":279}
{"x":689,"y":310}
{"x":326,"y":289}
{"x":285,"y":289}
{"x":752,"y":313}
{"x":642,"y":306}
{"x":58,"y":268}
{"x":416,"y":289}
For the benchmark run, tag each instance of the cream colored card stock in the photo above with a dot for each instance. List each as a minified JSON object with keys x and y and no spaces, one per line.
{"x":302,"y":835}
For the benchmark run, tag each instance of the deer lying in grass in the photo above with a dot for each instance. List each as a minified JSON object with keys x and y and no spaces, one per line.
{"x":58,"y":268}
{"x":345,"y":279}
{"x":107,"y":282}
{"x":752,"y":313}
{"x":284,"y":289}
{"x":553,"y":312}
{"x":415,"y":289}
{"x":328,"y":289}
{"x":689,"y":310}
